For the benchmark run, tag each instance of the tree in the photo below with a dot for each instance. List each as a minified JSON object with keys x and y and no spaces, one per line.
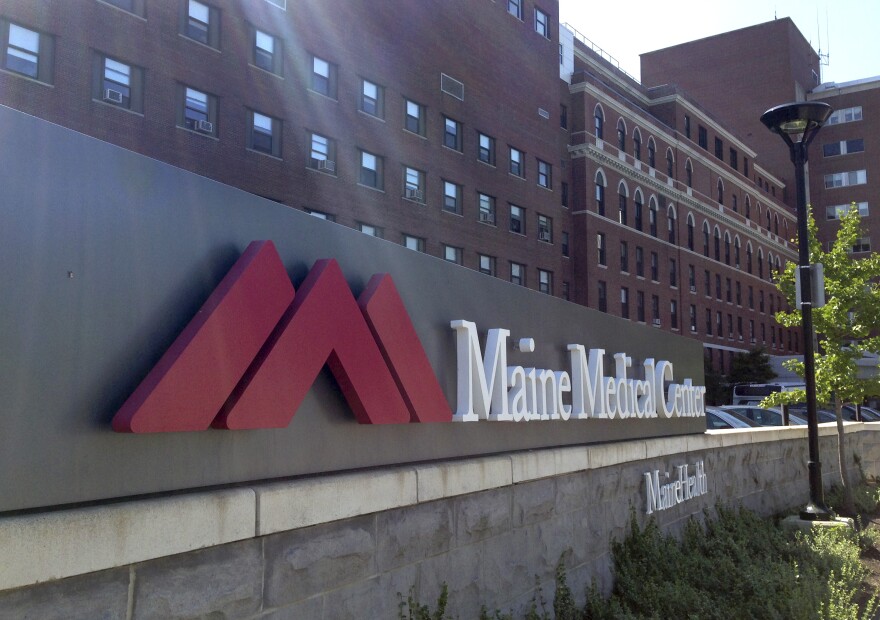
{"x":846,"y":326}
{"x":751,"y":367}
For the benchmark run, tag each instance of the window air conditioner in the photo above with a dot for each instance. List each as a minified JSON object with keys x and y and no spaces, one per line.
{"x":753,"y":341}
{"x":327,"y":164}
{"x":486,"y":217}
{"x":544,"y":235}
{"x":113,"y":96}
{"x":413,"y":193}
{"x":205,"y":126}
{"x":693,"y":289}
{"x":656,"y":322}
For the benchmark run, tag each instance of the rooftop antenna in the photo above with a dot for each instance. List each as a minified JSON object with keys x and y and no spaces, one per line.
{"x":824,"y":59}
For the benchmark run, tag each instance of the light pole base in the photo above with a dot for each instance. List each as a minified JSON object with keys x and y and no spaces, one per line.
{"x":816,"y":512}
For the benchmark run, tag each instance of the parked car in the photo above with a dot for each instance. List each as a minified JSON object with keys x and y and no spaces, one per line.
{"x":868,"y":414}
{"x":719,"y":419}
{"x":823,"y":415}
{"x":764,"y":417}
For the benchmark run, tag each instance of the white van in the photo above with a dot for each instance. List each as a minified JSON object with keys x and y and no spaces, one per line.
{"x":753,"y":393}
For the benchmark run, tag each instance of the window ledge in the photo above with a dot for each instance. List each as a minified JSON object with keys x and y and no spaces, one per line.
{"x":449,"y":148}
{"x":323,"y":96}
{"x":199,"y":43}
{"x":412,"y":133}
{"x":26,"y":77}
{"x":118,"y":107}
{"x":316,"y":171}
{"x":453,"y":213}
{"x":266,"y":71}
{"x":373,"y":116}
{"x":516,"y":176}
{"x":414,"y":201}
{"x":263,"y":153}
{"x":485,"y":163}
{"x":370,"y":187}
{"x":119,"y":8}
{"x":549,"y":189}
{"x":198,"y":133}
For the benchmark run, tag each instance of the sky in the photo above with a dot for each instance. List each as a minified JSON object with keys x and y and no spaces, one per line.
{"x":845,"y":29}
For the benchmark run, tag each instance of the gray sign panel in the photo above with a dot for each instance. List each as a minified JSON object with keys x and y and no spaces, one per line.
{"x":106,"y":255}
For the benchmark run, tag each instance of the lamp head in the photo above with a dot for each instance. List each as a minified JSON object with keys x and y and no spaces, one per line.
{"x":797,"y":122}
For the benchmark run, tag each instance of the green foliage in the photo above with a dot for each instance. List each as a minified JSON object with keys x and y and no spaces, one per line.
{"x":845,"y":325}
{"x":751,"y":367}
{"x":717,"y":387}
{"x":411,"y":609}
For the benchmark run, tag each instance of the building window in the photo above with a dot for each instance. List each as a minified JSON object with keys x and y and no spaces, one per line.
{"x":730,"y":326}
{"x":621,"y":204}
{"x":542,"y":23}
{"x":514,"y":7}
{"x":720,"y":195}
{"x":598,"y":122}
{"x":564,"y":243}
{"x":369,"y":229}
{"x":689,"y":173}
{"x":487,"y":264}
{"x":199,"y":111}
{"x":640,"y":261}
{"x":719,"y":148}
{"x":413,"y":184}
{"x":726,"y":248}
{"x":267,"y":52}
{"x":564,"y":194}
{"x":729,"y":289}
{"x":414,"y":243}
{"x":545,"y":281}
{"x":486,"y":149}
{"x":517,"y":162}
{"x":690,"y":232}
{"x":451,"y":197}
{"x":717,"y":241}
{"x":761,"y":302}
{"x":600,"y":194}
{"x":486,"y":209}
{"x":621,"y":135}
{"x":845,"y":179}
{"x":708,"y":322}
{"x":414,"y":118}
{"x":28,"y":52}
{"x":702,"y":137}
{"x":637,"y":207}
{"x":202,"y":23}
{"x":624,"y":257}
{"x":655,"y":267}
{"x":563,"y":116}
{"x":322,"y":153}
{"x":655,"y":310}
{"x":718,"y":287}
{"x":371,"y":171}
{"x":670,"y":164}
{"x":265,"y":134}
{"x":692,"y":278}
{"x":452,"y":254}
{"x":862,"y":244}
{"x":451,"y":134}
{"x":518,"y":274}
{"x":132,"y":6}
{"x":652,"y":153}
{"x":719,"y":324}
{"x":517,"y":220}
{"x":602,"y":297}
{"x":670,"y":225}
{"x":640,"y":306}
{"x":323,"y":77}
{"x":838,"y":211}
{"x":708,"y":281}
{"x":624,"y":302}
{"x":687,"y":126}
{"x":652,"y":217}
{"x":602,"y":258}
{"x":734,"y":158}
{"x":738,"y":293}
{"x":845,"y":115}
{"x":693,"y":317}
{"x":637,"y":145}
{"x":120,"y":84}
{"x":751,"y":298}
{"x":545,"y":228}
{"x":673,"y":273}
{"x":545,"y":174}
{"x":372,"y":99}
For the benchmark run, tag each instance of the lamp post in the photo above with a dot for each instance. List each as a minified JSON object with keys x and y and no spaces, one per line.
{"x":798,"y":124}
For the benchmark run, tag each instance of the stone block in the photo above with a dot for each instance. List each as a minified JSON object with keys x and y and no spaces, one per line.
{"x":505,"y":567}
{"x":461,"y":477}
{"x":309,"y":561}
{"x":372,"y":598}
{"x":289,"y":505}
{"x":574,"y":491}
{"x":533,"y":501}
{"x":410,"y":534}
{"x":571,"y":459}
{"x":219,"y":582}
{"x":606,"y":455}
{"x":309,"y":609}
{"x":532,"y":465}
{"x":54,"y":545}
{"x":97,"y":596}
{"x":460,"y":571}
{"x":666,"y":446}
{"x":482,"y":515}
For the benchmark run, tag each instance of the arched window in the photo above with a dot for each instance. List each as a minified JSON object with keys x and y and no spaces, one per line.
{"x":599,"y":121}
{"x":621,"y":135}
{"x":749,"y":257}
{"x":652,"y":152}
{"x":717,"y":244}
{"x":720,"y":192}
{"x":726,"y":248}
{"x":600,"y":193}
{"x":769,"y":266}
{"x":637,"y":207}
{"x":689,"y":173}
{"x":748,"y":208}
{"x":621,"y":203}
{"x":760,"y":263}
{"x":652,"y":216}
{"x":706,"y":239}
{"x":690,"y":231}
{"x":736,"y":248}
{"x":670,"y":224}
{"x":778,"y":267}
{"x":670,"y":164}
{"x":768,"y":219}
{"x":637,"y":144}
{"x":776,"y":224}
{"x":785,"y":229}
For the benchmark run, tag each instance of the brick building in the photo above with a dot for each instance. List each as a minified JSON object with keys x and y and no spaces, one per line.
{"x":444,"y":127}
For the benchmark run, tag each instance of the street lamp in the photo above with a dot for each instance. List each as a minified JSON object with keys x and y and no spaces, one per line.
{"x":798,"y":124}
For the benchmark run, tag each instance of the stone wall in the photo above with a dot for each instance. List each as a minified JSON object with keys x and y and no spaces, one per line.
{"x":343,"y":546}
